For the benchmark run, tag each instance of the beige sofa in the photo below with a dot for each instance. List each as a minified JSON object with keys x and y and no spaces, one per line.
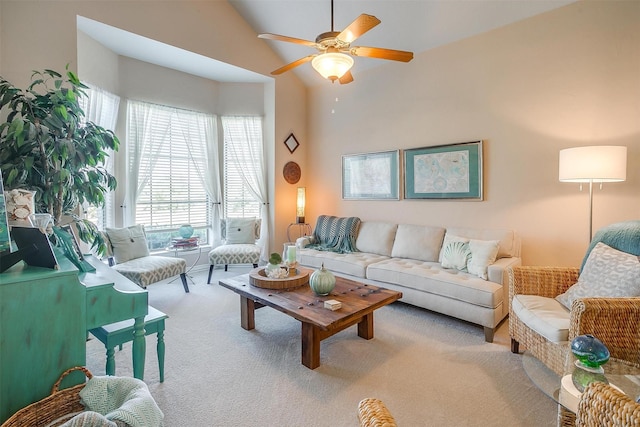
{"x":409,"y":258}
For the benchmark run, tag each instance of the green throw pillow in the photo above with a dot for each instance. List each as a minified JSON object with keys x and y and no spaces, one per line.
{"x":240,"y":230}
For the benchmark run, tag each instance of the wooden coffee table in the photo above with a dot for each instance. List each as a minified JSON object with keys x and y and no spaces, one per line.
{"x":358,"y":303}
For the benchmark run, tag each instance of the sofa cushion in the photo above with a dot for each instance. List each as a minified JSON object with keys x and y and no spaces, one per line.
{"x":430,"y":277}
{"x":418,"y":242}
{"x":376,"y":237}
{"x":509,"y":241}
{"x":448,"y":239}
{"x":483,"y":254}
{"x":608,"y":272}
{"x":128,"y":243}
{"x":544,"y":315}
{"x":353,"y":264}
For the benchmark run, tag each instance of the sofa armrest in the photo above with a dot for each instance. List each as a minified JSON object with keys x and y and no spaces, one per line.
{"x":614,"y":321}
{"x":497,"y":272}
{"x":543,"y":281}
{"x":302,"y":242}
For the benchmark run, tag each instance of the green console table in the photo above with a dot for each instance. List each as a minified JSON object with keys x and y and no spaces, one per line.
{"x":44,"y":318}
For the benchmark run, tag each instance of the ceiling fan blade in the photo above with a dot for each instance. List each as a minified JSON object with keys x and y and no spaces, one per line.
{"x":346,"y":78}
{"x":381,"y":53}
{"x":280,"y":38}
{"x":293,"y":65}
{"x":361,"y":25}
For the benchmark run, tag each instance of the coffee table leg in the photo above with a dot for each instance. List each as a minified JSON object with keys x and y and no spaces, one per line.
{"x":310,"y":345}
{"x":365,"y":326}
{"x":247,"y":313}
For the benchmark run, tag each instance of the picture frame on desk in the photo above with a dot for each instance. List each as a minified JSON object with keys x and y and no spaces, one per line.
{"x":68,"y":242}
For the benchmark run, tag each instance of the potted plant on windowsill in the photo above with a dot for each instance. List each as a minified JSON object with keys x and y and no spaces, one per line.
{"x":46,"y":146}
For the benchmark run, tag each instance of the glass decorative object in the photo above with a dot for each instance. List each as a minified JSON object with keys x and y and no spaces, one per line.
{"x":322,"y":281}
{"x":591,"y":354}
{"x":185,"y":231}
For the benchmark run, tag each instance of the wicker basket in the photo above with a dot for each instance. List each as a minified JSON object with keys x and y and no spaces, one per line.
{"x":58,"y":404}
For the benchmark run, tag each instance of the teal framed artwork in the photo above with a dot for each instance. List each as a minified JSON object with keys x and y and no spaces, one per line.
{"x":373,"y":176}
{"x":452,"y":171}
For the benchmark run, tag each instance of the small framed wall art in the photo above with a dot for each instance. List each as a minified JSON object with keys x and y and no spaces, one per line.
{"x":373,"y":176}
{"x":292,"y":143}
{"x":451,"y":171}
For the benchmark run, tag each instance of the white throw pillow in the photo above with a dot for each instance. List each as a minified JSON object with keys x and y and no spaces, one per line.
{"x":483,"y":254}
{"x":449,"y":238}
{"x":240,"y":230}
{"x":456,"y":255}
{"x":608,"y":273}
{"x":128,"y":243}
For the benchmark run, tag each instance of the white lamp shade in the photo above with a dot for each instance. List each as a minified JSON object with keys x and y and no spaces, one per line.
{"x":602,"y":163}
{"x":332,"y":65}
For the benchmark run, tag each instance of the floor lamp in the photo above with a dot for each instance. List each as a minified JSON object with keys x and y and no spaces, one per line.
{"x":603,"y":163}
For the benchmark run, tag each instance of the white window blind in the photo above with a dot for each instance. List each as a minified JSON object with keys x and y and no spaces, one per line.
{"x":170,"y":191}
{"x":239,"y":136}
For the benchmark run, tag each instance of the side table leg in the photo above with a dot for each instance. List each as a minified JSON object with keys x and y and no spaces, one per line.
{"x":310,"y":346}
{"x":110,"y":368}
{"x":365,"y":326}
{"x":247,"y":313}
{"x":139,"y":348}
{"x":160,"y":349}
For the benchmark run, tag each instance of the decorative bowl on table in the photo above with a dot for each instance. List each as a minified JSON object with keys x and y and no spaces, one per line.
{"x":258,"y":278}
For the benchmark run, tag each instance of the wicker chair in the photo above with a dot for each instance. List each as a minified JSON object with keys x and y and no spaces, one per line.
{"x":373,"y":413}
{"x":615,"y":321}
{"x":603,"y":405}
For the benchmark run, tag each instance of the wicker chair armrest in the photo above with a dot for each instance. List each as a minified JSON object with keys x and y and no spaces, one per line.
{"x":373,"y":413}
{"x":614,"y":321}
{"x":601,"y":404}
{"x":543,"y":281}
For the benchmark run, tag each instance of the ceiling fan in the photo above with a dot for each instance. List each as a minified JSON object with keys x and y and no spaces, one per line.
{"x":333,"y":60}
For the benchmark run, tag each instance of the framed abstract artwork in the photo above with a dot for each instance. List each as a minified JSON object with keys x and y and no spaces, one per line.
{"x":374,"y":176}
{"x":451,"y":171}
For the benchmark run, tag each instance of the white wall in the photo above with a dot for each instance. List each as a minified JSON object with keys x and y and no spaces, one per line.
{"x":569,"y":77}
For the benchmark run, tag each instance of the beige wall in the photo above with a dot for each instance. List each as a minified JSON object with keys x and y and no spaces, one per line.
{"x":209,"y":28}
{"x":569,"y":77}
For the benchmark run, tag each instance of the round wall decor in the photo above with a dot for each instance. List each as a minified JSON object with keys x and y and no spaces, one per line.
{"x":291,"y":172}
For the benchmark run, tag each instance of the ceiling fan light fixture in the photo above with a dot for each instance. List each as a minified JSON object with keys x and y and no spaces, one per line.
{"x":332,"y":65}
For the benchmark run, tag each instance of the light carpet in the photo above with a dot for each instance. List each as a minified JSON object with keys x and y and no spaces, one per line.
{"x":429,"y":369}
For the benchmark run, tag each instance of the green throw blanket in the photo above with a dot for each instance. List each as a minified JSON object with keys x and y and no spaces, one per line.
{"x":623,"y":236}
{"x":336,"y":234}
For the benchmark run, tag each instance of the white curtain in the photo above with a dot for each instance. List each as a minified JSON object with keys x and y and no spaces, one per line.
{"x":143,"y":152}
{"x":101,"y":107}
{"x":209,"y":170}
{"x":254,"y":178}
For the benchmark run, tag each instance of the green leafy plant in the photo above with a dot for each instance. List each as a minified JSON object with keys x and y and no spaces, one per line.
{"x":275,"y":258}
{"x":46,"y":146}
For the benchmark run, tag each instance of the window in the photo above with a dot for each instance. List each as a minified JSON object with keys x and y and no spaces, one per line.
{"x":242,"y":139}
{"x":167,"y":149}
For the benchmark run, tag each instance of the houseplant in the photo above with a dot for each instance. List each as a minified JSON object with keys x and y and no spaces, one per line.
{"x":46,"y":146}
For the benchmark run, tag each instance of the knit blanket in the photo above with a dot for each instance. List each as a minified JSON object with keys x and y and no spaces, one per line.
{"x":623,"y":236}
{"x":336,"y":234}
{"x":122,"y":399}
